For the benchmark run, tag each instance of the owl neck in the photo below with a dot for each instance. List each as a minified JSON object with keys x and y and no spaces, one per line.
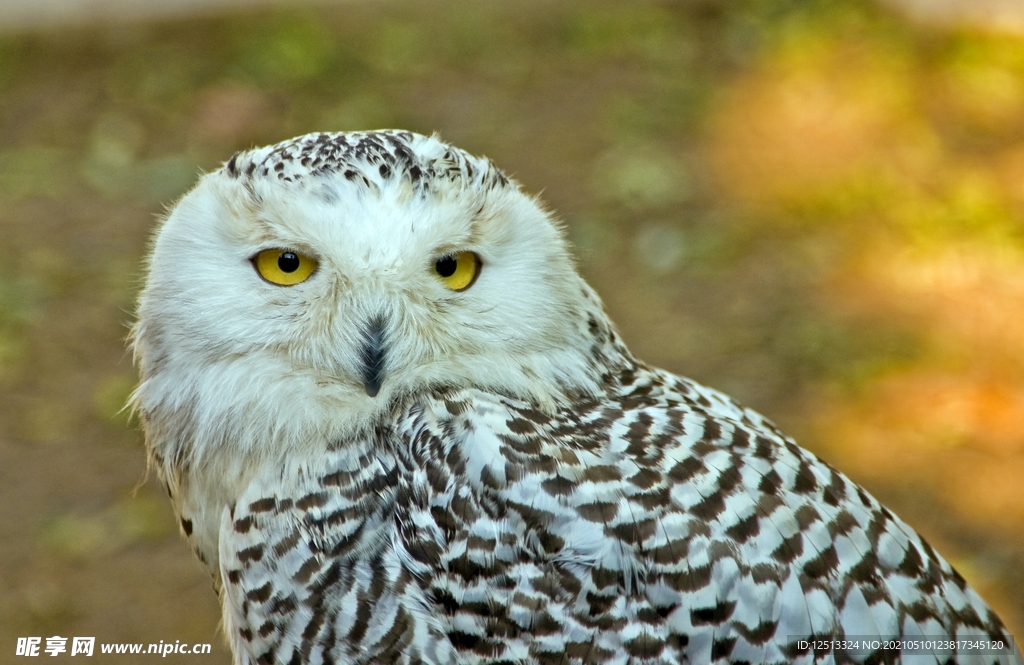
{"x":599,"y":349}
{"x":197,"y":414}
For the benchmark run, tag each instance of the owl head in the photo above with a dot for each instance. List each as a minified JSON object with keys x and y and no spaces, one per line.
{"x":300,"y":290}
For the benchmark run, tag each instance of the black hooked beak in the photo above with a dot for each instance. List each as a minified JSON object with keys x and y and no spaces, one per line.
{"x":373,"y":356}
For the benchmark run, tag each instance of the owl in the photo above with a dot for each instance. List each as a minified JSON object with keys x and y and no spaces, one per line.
{"x":398,"y":427}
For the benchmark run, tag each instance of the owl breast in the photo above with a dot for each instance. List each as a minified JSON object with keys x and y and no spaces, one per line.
{"x":667,"y":525}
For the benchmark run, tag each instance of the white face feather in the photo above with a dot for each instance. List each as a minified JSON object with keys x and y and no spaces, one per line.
{"x":232,"y":362}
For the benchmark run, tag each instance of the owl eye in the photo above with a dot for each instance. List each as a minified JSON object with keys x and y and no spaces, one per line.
{"x":458,"y":271}
{"x":284,"y":267}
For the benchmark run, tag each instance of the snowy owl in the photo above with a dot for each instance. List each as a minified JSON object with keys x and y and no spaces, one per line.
{"x":398,"y":427}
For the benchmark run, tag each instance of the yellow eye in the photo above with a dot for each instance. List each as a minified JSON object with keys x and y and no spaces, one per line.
{"x":458,"y":271}
{"x":283,"y":266}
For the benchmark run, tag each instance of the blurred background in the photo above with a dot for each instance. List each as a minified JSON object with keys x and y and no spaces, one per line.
{"x":817,"y":207}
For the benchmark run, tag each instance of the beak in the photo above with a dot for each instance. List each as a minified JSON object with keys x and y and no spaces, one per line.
{"x":373,"y":356}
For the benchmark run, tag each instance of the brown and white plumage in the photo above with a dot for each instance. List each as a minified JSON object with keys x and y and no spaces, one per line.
{"x":378,"y":467}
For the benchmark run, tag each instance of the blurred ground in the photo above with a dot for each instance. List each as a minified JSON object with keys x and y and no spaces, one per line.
{"x":818,"y":209}
{"x":23,"y":15}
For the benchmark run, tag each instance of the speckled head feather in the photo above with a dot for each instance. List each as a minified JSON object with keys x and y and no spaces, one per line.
{"x":368,"y":158}
{"x":412,"y":435}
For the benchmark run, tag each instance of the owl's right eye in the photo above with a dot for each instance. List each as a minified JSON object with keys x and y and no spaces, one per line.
{"x":284,"y":267}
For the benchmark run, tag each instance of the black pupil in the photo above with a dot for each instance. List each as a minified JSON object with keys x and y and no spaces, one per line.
{"x":288,"y":262}
{"x":446,"y":267}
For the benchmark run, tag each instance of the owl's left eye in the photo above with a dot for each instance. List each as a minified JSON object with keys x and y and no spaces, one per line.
{"x":458,"y":271}
{"x":284,"y":267}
